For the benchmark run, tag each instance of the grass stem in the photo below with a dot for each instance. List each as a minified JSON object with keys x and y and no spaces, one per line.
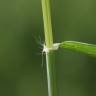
{"x":50,"y":66}
{"x":47,"y":22}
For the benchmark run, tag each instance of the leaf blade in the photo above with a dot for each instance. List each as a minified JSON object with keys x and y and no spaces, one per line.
{"x":80,"y":47}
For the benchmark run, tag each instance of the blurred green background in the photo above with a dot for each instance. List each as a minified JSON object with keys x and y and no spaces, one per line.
{"x":21,"y":36}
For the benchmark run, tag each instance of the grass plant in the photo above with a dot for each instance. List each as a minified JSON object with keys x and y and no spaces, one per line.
{"x":50,"y":47}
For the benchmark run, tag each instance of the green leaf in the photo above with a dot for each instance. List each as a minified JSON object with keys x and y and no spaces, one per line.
{"x":80,"y":47}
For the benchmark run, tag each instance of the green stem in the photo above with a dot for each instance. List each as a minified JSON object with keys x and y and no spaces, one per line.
{"x":47,"y":23}
{"x":51,"y":80}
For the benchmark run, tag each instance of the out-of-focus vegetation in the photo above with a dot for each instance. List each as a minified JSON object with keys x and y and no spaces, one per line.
{"x":21,"y":27}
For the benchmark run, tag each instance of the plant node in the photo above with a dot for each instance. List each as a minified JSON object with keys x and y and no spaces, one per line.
{"x":53,"y":48}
